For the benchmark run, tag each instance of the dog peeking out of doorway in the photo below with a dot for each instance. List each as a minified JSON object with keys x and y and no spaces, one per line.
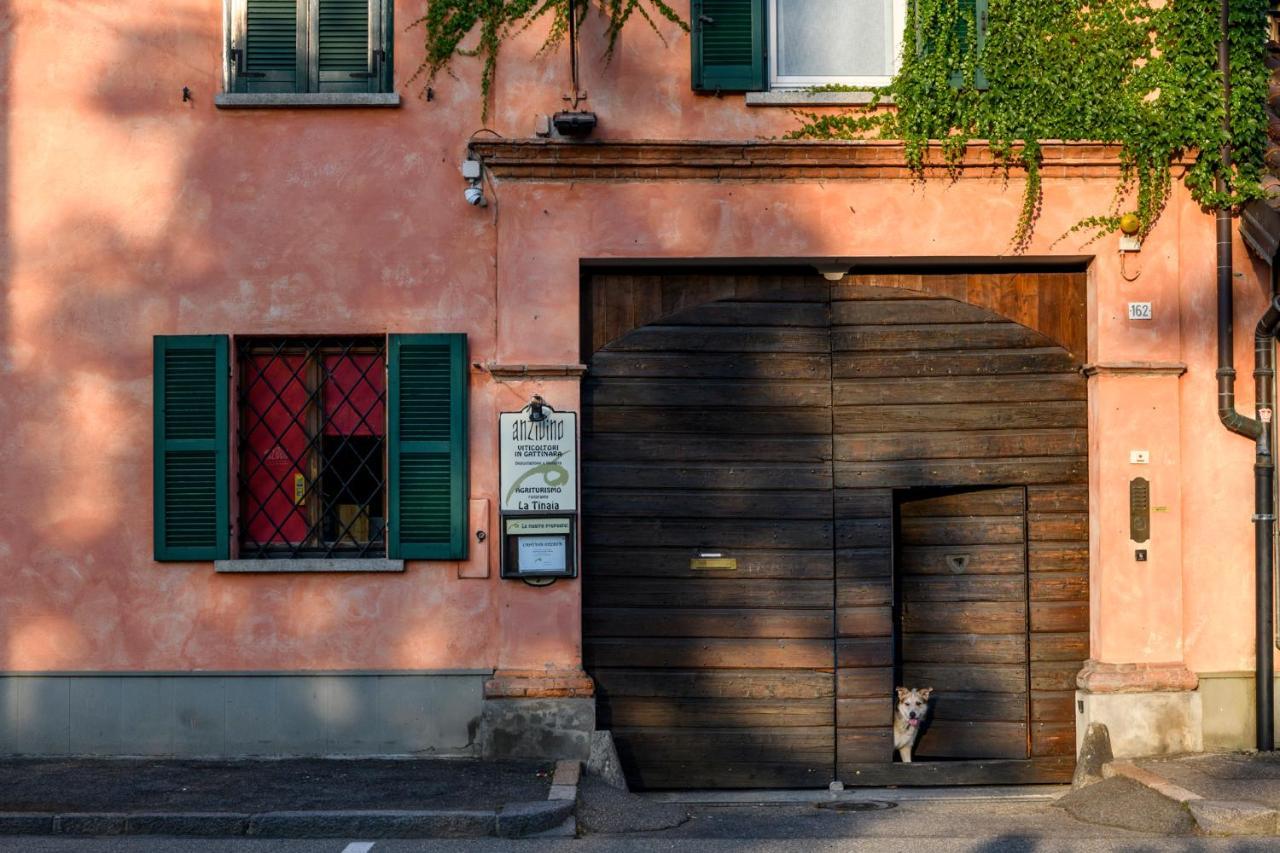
{"x":913,"y":706}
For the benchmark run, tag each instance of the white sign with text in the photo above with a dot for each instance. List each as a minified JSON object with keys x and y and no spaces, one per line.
{"x":539,"y":462}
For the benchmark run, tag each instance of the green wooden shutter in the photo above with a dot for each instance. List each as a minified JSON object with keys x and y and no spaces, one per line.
{"x":968,"y":39}
{"x":427,"y":424}
{"x":728,"y":45}
{"x":192,"y":473}
{"x":269,"y":48}
{"x":976,"y":40}
{"x":350,"y":50}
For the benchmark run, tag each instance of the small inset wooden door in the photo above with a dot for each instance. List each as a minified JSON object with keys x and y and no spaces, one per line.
{"x":961,"y":605}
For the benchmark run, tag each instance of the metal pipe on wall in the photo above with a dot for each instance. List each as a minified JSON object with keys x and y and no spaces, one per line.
{"x":1258,"y":428}
{"x":1264,"y":518}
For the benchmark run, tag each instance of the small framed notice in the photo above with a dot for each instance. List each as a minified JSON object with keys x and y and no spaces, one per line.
{"x":539,"y":547}
{"x":542,"y":554}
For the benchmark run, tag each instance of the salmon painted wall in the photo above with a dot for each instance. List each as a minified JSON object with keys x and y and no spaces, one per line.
{"x":128,"y":213}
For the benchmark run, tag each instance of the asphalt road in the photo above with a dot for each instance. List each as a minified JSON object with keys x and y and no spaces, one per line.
{"x":648,"y":845}
{"x":947,"y":826}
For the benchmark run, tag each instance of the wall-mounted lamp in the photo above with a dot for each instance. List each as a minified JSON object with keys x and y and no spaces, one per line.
{"x":537,"y":409}
{"x":832,"y":271}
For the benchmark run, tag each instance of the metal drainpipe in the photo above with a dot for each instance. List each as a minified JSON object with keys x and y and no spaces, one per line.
{"x":1264,"y":476}
{"x":1259,"y":428}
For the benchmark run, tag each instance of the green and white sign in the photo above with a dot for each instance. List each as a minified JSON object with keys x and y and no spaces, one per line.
{"x":539,"y":462}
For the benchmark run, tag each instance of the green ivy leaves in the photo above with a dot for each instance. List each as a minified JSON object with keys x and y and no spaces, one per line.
{"x":1122,"y":71}
{"x":448,"y":22}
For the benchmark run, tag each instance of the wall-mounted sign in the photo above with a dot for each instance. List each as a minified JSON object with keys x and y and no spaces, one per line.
{"x":1139,"y":310}
{"x":539,"y":462}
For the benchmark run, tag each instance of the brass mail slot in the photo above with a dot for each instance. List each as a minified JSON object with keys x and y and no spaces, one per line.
{"x":701,"y":563}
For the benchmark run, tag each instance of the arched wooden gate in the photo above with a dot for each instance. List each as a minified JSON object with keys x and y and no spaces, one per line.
{"x":799,"y":494}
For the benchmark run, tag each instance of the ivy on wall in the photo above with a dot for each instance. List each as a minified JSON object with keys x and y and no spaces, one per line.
{"x":447,"y":24}
{"x":1140,"y":74}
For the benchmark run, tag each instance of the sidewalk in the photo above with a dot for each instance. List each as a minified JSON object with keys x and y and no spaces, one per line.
{"x":291,"y":798}
{"x":1227,"y":794}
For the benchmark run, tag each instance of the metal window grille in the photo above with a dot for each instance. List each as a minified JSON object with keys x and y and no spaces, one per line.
{"x":312,"y":447}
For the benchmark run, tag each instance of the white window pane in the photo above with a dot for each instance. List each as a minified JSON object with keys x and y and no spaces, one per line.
{"x":834,"y":38}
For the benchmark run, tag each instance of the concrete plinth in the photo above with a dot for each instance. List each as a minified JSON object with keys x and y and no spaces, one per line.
{"x":1143,"y":724}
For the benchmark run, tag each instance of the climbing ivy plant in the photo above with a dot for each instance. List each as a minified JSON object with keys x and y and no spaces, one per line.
{"x":447,"y":23}
{"x":1136,"y":73}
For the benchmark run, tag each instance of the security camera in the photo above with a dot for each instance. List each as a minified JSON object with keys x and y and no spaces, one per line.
{"x":474,"y":196}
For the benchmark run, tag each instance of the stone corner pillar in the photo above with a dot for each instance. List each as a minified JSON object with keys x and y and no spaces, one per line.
{"x":1148,"y":708}
{"x":546,"y":714}
{"x":1136,"y":682}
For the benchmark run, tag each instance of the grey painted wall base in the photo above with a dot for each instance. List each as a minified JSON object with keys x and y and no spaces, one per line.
{"x":1143,"y":724}
{"x":538,"y":728}
{"x":242,"y":714}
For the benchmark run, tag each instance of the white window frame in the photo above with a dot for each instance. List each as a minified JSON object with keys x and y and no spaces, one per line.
{"x":898,"y":11}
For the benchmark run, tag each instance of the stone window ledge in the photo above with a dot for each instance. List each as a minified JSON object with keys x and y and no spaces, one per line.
{"x":805,"y":98}
{"x":305,"y":566}
{"x":292,"y":100}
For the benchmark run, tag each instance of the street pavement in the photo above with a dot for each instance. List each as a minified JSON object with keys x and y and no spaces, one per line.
{"x":911,"y":826}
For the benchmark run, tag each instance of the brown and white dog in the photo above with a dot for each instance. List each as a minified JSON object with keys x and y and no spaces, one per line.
{"x":913,"y":705}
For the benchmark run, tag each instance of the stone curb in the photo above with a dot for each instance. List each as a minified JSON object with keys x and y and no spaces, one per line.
{"x":1146,"y":778}
{"x":564,"y":792}
{"x":1212,"y":817}
{"x":514,"y":820}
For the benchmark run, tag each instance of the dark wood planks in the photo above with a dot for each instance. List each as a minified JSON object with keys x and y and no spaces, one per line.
{"x":710,"y":431}
{"x":942,"y":393}
{"x":777,"y":417}
{"x":936,"y":597}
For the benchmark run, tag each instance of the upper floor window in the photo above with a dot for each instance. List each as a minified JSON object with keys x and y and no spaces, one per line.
{"x":823,"y":42}
{"x":757,"y":45}
{"x":308,"y":46}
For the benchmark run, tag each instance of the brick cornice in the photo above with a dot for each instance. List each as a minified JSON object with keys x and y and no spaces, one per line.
{"x":539,"y":684}
{"x":628,"y":160}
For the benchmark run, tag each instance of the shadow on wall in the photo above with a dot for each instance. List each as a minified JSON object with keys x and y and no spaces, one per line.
{"x":154,"y":215}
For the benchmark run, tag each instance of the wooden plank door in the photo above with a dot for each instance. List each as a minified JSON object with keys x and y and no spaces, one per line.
{"x":933,"y":390}
{"x":962,"y":611}
{"x":708,"y":594}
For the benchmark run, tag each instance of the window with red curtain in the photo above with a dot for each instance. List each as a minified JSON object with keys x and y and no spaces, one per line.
{"x":312,"y":447}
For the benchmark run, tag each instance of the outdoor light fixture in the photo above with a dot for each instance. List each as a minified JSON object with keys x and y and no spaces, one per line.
{"x":537,"y":409}
{"x":832,"y":271}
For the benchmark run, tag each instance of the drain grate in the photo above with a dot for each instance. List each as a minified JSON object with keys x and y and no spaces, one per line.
{"x":858,"y":805}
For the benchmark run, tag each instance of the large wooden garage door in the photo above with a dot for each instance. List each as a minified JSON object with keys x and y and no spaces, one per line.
{"x":782,"y":422}
{"x":710,"y":434}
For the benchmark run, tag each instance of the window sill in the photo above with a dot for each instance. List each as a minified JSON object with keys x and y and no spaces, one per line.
{"x":294,"y":100}
{"x":804,"y":98}
{"x":307,"y":566}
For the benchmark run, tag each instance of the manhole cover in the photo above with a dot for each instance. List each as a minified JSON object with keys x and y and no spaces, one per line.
{"x":858,"y":805}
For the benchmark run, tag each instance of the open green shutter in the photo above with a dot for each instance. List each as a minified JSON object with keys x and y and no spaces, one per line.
{"x":349,"y":48}
{"x":971,"y":36}
{"x":427,"y":424}
{"x":270,"y":55}
{"x":970,"y":23}
{"x":975,"y":40}
{"x":728,"y":45}
{"x":191,"y":448}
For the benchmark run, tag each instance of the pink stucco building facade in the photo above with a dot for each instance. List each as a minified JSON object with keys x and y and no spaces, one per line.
{"x":131,"y":212}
